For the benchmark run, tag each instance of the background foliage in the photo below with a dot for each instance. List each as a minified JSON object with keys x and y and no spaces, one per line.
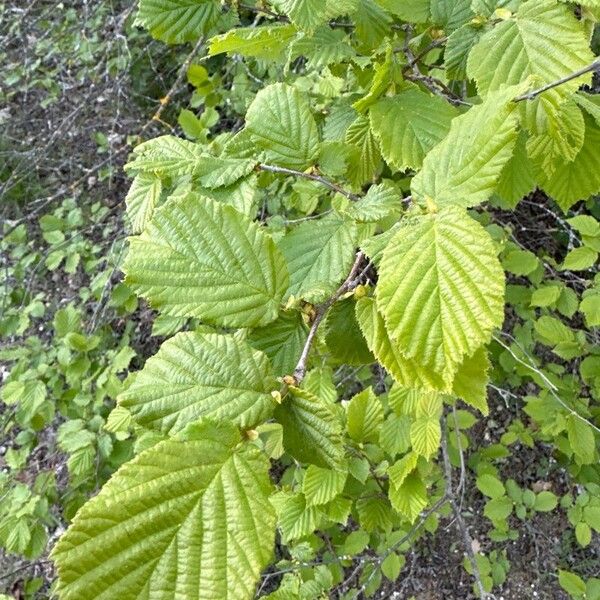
{"x":362,"y":434}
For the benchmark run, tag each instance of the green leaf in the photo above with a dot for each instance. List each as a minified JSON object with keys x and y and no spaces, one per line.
{"x":266,"y":42}
{"x":489,"y":485}
{"x":191,"y":125}
{"x":470,"y":382}
{"x":141,"y":200}
{"x":319,"y":382}
{"x":282,"y":341}
{"x":581,"y":439}
{"x":311,"y":429}
{"x":325,"y":47}
{"x":520,"y":262}
{"x":200,"y":258}
{"x":580,"y":178}
{"x":441,"y":289}
{"x":365,"y":416}
{"x":414,"y":11}
{"x":451,"y":14}
{"x":380,"y":201}
{"x":374,"y":514}
{"x":410,"y":498}
{"x":201,"y":375}
{"x":553,"y":330}
{"x":177,"y":21}
{"x":545,"y":296}
{"x":189,"y":517}
{"x":516,"y":179}
{"x":590,"y":307}
{"x":486,"y":136}
{"x":321,"y":486}
{"x":459,"y":45}
{"x":405,"y":371}
{"x":498,"y":509}
{"x":319,"y":256}
{"x":216,"y":172}
{"x":590,"y":103}
{"x":391,"y":566}
{"x":355,"y":543}
{"x":585,"y":225}
{"x":372,"y":23}
{"x":409,"y":125}
{"x":580,"y":259}
{"x":571,"y":583}
{"x":281,"y":124}
{"x":583,"y":534}
{"x":401,"y":469}
{"x":394,"y":437}
{"x":544,"y":41}
{"x":425,"y":431}
{"x":343,"y":336}
{"x":309,"y":14}
{"x":294,"y":517}
{"x":545,"y":502}
{"x":561,"y":141}
{"x":29,"y":396}
{"x":166,"y":156}
{"x":365,"y":158}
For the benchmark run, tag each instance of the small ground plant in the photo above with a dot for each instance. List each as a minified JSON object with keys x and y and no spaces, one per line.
{"x":373,"y":252}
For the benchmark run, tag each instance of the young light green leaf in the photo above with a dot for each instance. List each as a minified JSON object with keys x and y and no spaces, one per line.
{"x":410,"y":498}
{"x":486,"y":135}
{"x":319,"y":255}
{"x":402,"y":468}
{"x":581,"y":438}
{"x":282,"y":341}
{"x":177,"y":21}
{"x":141,"y":200}
{"x":321,"y":486}
{"x":266,"y":42}
{"x":516,"y":179}
{"x":544,"y":40}
{"x":451,"y":14}
{"x":441,"y":289}
{"x":309,"y":14}
{"x":580,"y":178}
{"x":425,"y":436}
{"x":405,"y":371}
{"x":380,"y":201}
{"x":470,"y":382}
{"x":343,"y":336}
{"x":365,"y":158}
{"x":490,"y":485}
{"x":365,"y":416}
{"x":311,"y":429}
{"x":415,"y":11}
{"x":281,"y":123}
{"x":325,"y":47}
{"x":560,"y":142}
{"x":187,"y":517}
{"x":201,"y":375}
{"x":166,"y":156}
{"x":200,"y":258}
{"x":294,"y":518}
{"x":408,"y":125}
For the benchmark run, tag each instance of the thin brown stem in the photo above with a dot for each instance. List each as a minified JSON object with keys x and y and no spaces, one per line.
{"x":321,"y":312}
{"x":320,"y":179}
{"x":460,"y":522}
{"x":594,"y":66}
